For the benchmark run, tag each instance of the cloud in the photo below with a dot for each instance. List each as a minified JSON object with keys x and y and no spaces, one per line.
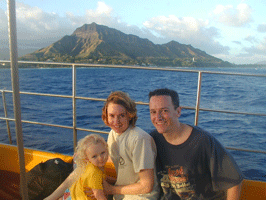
{"x":187,"y":30}
{"x":237,"y":42}
{"x":103,"y":15}
{"x":251,"y":39}
{"x":3,"y":29}
{"x":36,"y":19}
{"x":261,"y":28}
{"x":235,"y":17}
{"x":37,"y":28}
{"x":249,"y":55}
{"x":259,"y":49}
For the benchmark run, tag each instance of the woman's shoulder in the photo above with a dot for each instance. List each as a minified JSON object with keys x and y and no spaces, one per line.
{"x":136,"y":133}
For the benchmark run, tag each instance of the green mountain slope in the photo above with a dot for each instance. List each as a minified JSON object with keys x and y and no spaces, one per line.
{"x":93,"y":43}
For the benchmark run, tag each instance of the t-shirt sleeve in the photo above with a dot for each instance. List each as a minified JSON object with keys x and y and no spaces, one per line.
{"x":94,"y":180}
{"x":144,"y":154}
{"x":225,"y":172}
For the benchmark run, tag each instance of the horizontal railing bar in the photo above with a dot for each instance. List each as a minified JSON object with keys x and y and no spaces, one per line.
{"x":136,"y":67}
{"x":246,"y":150}
{"x":92,"y":130}
{"x":90,"y":98}
{"x":104,"y":132}
{"x":55,"y":125}
{"x":231,"y":112}
{"x":138,"y":102}
{"x":38,"y":123}
{"x":40,"y":94}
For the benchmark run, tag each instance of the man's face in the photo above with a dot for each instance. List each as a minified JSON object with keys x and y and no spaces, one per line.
{"x":163,"y":114}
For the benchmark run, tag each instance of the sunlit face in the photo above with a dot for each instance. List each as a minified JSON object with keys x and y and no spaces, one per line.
{"x":163,"y":114}
{"x":97,"y":154}
{"x":118,"y":118}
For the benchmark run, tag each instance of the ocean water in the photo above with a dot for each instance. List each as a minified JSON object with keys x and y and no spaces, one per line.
{"x":222,"y":92}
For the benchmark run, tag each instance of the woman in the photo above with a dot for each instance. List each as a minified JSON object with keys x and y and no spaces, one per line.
{"x":131,"y":149}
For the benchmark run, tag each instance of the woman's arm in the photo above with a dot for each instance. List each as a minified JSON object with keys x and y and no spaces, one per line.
{"x":99,"y":194}
{"x":145,"y":185}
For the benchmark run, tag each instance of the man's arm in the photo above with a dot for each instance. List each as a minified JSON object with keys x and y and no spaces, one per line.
{"x":145,"y":185}
{"x":233,"y":193}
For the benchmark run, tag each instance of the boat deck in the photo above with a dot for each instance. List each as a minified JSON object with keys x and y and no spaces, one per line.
{"x":9,"y":185}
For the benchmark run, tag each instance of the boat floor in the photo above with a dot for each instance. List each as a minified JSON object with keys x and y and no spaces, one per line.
{"x":9,"y":185}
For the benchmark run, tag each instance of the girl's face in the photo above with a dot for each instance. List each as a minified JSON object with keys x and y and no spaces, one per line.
{"x":118,"y":118}
{"x":97,"y":154}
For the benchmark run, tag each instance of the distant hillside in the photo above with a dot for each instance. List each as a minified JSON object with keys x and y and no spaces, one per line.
{"x":93,"y":43}
{"x":261,"y":63}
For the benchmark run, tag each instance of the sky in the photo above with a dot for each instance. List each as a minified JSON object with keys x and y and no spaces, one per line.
{"x":233,"y":30}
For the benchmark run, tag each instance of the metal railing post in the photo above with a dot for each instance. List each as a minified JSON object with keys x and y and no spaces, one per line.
{"x":198,"y":99}
{"x":74,"y":71}
{"x":11,"y":7}
{"x":6,"y":116}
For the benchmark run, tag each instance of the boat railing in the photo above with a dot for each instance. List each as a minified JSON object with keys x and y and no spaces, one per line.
{"x":74,"y":97}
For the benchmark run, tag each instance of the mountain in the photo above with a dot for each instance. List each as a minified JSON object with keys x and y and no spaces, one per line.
{"x":261,"y":63}
{"x":93,"y":43}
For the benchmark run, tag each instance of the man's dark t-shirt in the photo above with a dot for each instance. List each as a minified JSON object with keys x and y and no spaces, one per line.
{"x":200,"y":168}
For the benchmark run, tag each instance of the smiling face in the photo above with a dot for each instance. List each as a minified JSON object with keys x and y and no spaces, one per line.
{"x":163,"y":114}
{"x":97,"y":154}
{"x":118,"y":118}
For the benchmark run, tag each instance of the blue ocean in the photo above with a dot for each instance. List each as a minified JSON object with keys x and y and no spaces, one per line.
{"x":221,"y":92}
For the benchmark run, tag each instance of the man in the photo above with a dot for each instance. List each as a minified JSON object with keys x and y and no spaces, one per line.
{"x":191,"y":164}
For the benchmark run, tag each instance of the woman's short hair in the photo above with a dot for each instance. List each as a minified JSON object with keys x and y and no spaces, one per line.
{"x":123,"y":99}
{"x":84,"y":144}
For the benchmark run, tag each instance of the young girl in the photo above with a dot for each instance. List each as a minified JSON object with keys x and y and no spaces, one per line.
{"x":92,"y":154}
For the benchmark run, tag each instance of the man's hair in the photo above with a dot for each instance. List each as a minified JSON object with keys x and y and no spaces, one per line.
{"x":165,"y":91}
{"x":123,"y":99}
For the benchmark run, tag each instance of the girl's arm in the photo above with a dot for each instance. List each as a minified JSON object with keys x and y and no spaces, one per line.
{"x":234,"y":192}
{"x":145,"y":185}
{"x":99,"y":194}
{"x":59,"y":192}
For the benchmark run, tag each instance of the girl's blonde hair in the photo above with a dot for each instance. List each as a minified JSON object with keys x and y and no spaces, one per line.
{"x":84,"y":144}
{"x":123,"y":99}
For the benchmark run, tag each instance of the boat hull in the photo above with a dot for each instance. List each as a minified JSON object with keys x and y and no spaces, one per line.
{"x":10,"y":172}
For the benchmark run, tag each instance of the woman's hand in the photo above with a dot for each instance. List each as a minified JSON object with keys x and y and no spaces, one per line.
{"x":88,"y":191}
{"x":107,"y":188}
{"x":145,"y":185}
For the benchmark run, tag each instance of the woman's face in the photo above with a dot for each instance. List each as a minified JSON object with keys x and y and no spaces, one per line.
{"x":118,"y":118}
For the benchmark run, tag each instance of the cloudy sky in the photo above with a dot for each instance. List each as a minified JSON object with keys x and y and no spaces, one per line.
{"x":234,"y":30}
